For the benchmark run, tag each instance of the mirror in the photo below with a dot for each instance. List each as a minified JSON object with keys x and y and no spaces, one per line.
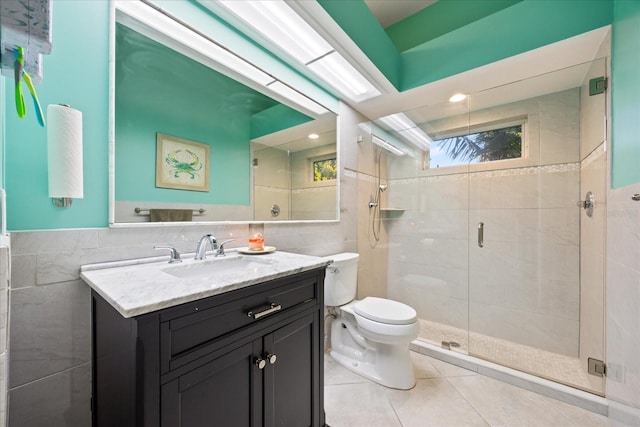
{"x":169,"y":106}
{"x":296,"y":180}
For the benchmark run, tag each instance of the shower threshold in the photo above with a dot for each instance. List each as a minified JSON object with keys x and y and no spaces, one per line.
{"x":502,"y":354}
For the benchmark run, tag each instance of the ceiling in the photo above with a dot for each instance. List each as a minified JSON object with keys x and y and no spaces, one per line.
{"x":554,"y":56}
{"x":388,"y":12}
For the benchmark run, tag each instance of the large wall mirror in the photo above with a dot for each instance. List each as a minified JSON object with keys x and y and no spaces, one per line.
{"x":180,"y":122}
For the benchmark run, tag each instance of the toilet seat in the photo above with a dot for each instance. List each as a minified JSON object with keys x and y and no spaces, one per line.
{"x":385,"y":311}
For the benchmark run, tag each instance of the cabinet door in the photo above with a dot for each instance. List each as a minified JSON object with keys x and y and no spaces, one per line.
{"x":224,"y":392}
{"x":292,"y":385}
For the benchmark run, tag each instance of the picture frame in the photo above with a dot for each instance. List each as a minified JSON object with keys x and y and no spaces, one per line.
{"x":181,"y":164}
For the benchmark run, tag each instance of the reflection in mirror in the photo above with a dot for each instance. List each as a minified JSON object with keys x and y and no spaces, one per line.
{"x":159,"y":90}
{"x":296,"y":180}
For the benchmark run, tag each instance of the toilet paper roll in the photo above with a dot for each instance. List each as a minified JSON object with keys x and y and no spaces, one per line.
{"x":64,"y":152}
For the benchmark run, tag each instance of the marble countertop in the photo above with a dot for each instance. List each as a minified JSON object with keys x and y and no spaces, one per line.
{"x":136,"y":287}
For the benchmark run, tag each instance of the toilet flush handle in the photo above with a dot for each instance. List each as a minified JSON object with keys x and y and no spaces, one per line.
{"x":333,"y":270}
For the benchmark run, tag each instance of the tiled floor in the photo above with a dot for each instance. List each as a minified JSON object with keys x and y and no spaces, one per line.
{"x":556,"y":367}
{"x":444,"y":396}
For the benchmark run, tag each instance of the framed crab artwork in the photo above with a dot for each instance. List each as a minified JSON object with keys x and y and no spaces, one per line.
{"x":181,"y":164}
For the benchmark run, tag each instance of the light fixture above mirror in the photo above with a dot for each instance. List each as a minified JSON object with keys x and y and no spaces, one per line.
{"x":286,"y":31}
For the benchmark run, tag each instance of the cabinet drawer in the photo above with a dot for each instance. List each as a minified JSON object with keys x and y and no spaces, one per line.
{"x":189,"y":336}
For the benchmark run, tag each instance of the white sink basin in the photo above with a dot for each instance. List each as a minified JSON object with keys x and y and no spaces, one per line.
{"x":223,"y":266}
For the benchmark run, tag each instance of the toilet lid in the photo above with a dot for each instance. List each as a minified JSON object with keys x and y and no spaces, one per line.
{"x":385,"y":311}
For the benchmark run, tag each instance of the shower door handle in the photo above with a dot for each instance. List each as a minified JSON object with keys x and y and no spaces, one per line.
{"x":480,"y":234}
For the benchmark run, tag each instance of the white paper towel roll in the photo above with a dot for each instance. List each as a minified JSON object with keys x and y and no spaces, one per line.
{"x":64,"y":151}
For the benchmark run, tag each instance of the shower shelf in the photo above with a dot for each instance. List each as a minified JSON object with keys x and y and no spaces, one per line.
{"x":392,"y":211}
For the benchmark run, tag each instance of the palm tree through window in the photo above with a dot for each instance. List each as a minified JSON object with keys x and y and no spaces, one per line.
{"x":486,"y":146}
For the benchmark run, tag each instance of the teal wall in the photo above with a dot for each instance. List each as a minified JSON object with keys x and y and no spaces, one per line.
{"x":522,"y":27}
{"x":441,"y":18}
{"x":625,"y":152}
{"x":2,"y":127}
{"x":275,"y":119}
{"x":75,"y":73}
{"x":511,"y":30}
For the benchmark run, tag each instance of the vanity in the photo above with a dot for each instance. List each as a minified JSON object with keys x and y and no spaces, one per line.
{"x":228,"y":341}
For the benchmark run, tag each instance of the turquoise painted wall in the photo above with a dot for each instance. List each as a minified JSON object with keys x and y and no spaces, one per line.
{"x":519,"y":28}
{"x":2,"y":128}
{"x":441,"y":18}
{"x":75,"y":73}
{"x":625,"y":150}
{"x":275,"y":119}
{"x":523,"y":26}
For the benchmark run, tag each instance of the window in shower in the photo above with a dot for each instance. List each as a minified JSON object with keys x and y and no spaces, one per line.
{"x":484,"y":144}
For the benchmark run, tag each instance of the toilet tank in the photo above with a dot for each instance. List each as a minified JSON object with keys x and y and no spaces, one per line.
{"x":341,"y":280}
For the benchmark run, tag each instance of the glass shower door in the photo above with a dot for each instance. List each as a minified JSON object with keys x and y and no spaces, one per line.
{"x":427,"y":247}
{"x":526,"y":309}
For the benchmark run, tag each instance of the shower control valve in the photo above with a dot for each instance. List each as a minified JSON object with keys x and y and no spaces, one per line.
{"x":587,"y":204}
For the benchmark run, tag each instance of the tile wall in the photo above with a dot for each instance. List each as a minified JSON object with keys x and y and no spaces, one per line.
{"x":271,"y":188}
{"x":4,"y":323}
{"x":623,"y":304}
{"x":284,"y":178}
{"x":311,"y":200}
{"x":369,"y":170}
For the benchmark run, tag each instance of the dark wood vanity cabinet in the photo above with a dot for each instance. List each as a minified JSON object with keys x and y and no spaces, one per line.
{"x":249,"y":357}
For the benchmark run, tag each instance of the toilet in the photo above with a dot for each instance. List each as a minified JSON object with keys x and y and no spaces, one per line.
{"x":370,"y":336}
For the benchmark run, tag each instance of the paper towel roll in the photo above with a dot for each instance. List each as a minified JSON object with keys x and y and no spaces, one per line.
{"x":64,"y":152}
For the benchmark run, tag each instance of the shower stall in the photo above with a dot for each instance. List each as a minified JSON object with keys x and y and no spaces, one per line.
{"x":487,"y":227}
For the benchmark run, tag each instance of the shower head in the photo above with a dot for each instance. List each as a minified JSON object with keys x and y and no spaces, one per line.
{"x":382,"y":187}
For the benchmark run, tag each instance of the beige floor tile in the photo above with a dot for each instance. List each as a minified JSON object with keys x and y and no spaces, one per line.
{"x":433,"y":402}
{"x":445,"y":396}
{"x":334,"y":373}
{"x":358,"y":405}
{"x":423,"y":366}
{"x":503,"y":404}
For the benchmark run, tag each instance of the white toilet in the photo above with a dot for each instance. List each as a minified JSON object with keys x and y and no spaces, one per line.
{"x":370,"y":337}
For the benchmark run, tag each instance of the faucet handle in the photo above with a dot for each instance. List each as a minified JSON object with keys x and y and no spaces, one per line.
{"x":174,"y":255}
{"x":220,"y":251}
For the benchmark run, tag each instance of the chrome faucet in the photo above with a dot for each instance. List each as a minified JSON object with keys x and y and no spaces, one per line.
{"x":174,"y":255}
{"x":220,"y":251}
{"x":201,"y":250}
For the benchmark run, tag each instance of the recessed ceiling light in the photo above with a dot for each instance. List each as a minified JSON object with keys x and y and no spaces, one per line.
{"x":458,"y":97}
{"x":313,"y":136}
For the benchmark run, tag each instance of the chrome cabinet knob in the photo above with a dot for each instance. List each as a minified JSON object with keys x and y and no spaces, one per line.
{"x":271,"y":358}
{"x":260,"y":363}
